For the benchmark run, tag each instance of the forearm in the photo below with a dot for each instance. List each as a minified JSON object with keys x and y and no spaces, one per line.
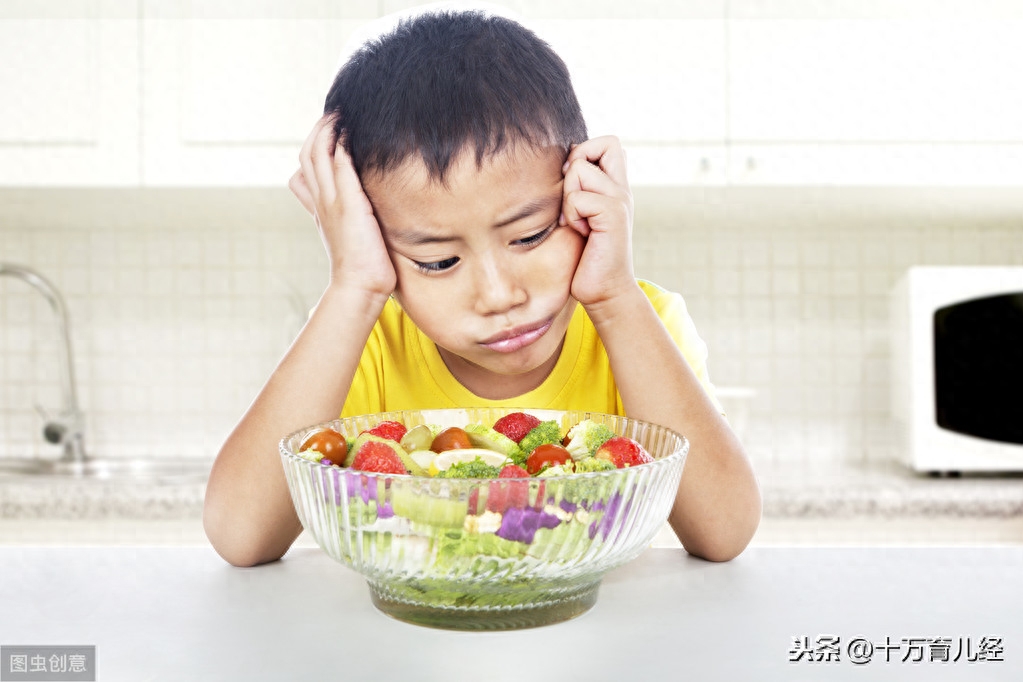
{"x":717,"y":508}
{"x":248,"y":514}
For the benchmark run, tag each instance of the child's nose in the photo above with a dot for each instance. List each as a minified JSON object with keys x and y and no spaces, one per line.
{"x":497,"y":288}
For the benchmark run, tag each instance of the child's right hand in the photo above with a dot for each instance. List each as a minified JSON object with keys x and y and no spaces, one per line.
{"x":329,"y":188}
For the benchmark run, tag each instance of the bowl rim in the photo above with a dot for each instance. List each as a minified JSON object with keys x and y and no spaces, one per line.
{"x":286,"y":452}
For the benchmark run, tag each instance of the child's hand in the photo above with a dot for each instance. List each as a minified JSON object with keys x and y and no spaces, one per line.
{"x":329,"y":188}
{"x":598,"y":204}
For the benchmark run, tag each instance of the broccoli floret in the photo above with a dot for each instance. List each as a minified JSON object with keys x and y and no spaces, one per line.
{"x":586,"y":437}
{"x":542,"y":433}
{"x":589,"y":464}
{"x":477,"y":468}
{"x":311,"y":455}
{"x":556,"y":470}
{"x":582,"y":466}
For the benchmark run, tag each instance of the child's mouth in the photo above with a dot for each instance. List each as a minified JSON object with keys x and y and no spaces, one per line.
{"x":519,"y":337}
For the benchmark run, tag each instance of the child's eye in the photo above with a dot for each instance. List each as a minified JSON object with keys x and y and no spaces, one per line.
{"x":436,"y":266}
{"x":534,"y":239}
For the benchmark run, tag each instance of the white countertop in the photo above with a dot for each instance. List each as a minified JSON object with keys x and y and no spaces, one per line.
{"x":184,"y":614}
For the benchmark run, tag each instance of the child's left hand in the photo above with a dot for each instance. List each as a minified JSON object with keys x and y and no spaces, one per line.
{"x":598,"y":204}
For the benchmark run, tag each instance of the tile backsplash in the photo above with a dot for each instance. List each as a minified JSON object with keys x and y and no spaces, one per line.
{"x":790,"y":289}
{"x":183,"y":301}
{"x":181,"y":304}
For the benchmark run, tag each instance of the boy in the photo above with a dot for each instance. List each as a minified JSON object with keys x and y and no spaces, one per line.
{"x":480,"y":254}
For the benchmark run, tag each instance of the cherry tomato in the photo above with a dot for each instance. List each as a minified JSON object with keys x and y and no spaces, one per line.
{"x":546,"y":454}
{"x":453,"y":438}
{"x":329,"y":443}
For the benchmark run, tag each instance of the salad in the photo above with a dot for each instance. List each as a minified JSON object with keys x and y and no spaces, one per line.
{"x":515,"y":509}
{"x":518,"y":445}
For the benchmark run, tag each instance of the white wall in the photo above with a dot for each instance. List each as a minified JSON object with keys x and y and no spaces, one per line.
{"x":789,"y":287}
{"x":182,"y":301}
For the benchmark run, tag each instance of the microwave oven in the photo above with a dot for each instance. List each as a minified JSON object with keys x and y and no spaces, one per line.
{"x":957,"y":368}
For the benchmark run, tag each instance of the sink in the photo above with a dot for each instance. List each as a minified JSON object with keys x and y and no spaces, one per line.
{"x":150,"y":469}
{"x":23,"y":465}
{"x":65,"y":428}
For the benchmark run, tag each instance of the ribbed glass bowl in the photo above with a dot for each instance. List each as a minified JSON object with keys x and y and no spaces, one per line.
{"x":434,"y":555}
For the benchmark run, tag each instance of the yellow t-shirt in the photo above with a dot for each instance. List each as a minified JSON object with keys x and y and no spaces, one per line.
{"x":401,"y":369}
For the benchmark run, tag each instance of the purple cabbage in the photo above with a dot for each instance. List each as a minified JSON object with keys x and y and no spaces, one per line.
{"x":606,"y":522}
{"x":520,"y":525}
{"x":358,"y":486}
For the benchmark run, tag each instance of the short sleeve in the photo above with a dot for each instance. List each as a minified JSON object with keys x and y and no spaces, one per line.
{"x":366,"y":393}
{"x":671,"y":309}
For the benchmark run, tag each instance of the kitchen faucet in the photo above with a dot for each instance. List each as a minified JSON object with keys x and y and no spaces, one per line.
{"x":65,"y":428}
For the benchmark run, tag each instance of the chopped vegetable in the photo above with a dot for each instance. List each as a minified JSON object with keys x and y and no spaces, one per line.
{"x":586,"y":436}
{"x":476,"y":468}
{"x":544,"y":433}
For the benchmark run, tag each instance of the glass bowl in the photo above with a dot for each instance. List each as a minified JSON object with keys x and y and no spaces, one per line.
{"x":433,"y":554}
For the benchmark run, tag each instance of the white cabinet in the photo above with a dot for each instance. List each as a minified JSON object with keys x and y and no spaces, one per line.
{"x":230,"y":90}
{"x":69,"y":77}
{"x":223,"y":92}
{"x":651,"y":72}
{"x":165,"y":92}
{"x":658,"y":84}
{"x":875,"y":93}
{"x":798,"y":92}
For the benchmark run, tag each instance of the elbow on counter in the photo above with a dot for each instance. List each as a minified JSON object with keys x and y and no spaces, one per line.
{"x":240,"y":549}
{"x":725,"y":545}
{"x":238,"y":545}
{"x":717,"y":552}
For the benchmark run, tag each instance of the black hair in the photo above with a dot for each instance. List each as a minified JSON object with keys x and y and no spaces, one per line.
{"x":446,"y":82}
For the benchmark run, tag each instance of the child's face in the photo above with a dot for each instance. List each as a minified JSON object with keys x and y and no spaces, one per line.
{"x":483,"y":268}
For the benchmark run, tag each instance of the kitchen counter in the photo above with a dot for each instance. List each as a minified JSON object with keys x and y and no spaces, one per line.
{"x":789,"y":491}
{"x":887,"y":489}
{"x":866,"y":504}
{"x":41,"y":497}
{"x":184,"y":614}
